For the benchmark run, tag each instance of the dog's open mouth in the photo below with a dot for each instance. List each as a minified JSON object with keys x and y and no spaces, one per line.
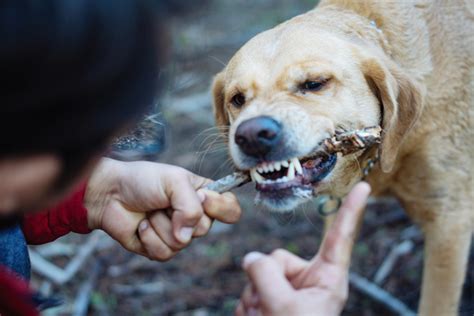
{"x":282,"y":185}
{"x":281,"y":175}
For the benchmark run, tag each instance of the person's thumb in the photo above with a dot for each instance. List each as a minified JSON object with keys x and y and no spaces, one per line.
{"x":267,"y":277}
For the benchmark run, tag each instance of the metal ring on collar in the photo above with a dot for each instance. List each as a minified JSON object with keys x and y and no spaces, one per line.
{"x":327,"y":205}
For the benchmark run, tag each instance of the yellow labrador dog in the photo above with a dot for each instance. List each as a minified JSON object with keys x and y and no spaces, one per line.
{"x":404,"y":65}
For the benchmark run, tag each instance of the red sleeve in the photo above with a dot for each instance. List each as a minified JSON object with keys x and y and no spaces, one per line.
{"x":52,"y":223}
{"x":15,"y":296}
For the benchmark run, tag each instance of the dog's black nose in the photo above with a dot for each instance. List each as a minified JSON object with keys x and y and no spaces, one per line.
{"x":258,"y":136}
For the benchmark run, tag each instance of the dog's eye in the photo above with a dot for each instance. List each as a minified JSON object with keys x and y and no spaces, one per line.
{"x":238,"y":100}
{"x":313,"y":85}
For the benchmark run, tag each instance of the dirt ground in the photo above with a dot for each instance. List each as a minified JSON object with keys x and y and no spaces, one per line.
{"x":206,"y":278}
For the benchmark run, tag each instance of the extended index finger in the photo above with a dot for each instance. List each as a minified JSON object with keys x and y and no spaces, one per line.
{"x":337,"y":244}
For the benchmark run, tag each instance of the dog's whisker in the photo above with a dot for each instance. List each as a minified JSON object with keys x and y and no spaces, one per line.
{"x":217,"y":135}
{"x":218,"y":60}
{"x":216,"y":129}
{"x":212,"y":145}
{"x":284,"y":218}
{"x":209,"y":144}
{"x":304,"y":209}
{"x":215,"y":150}
{"x":226,"y":164}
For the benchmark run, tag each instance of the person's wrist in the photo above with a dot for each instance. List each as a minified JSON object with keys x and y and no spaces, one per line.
{"x":103,"y":184}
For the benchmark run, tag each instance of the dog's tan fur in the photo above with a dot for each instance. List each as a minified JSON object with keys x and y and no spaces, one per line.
{"x":413,"y":73}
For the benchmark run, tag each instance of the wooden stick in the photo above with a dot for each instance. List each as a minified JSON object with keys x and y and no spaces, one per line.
{"x":229,"y":182}
{"x":380,"y":295}
{"x":353,"y":141}
{"x":345,"y":143}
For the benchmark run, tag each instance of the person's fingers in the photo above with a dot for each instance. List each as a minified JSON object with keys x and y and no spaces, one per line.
{"x":155,"y":248}
{"x":161,"y":223}
{"x":268,"y":279}
{"x":240,"y":311}
{"x":187,"y":207}
{"x":249,"y":297}
{"x":134,"y":244}
{"x":336,"y":247}
{"x":203,"y":227}
{"x":289,"y":263}
{"x":223,"y":207}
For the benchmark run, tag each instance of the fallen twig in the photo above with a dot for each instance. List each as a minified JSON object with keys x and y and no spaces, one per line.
{"x":56,"y":249}
{"x":387,"y":266}
{"x":81,"y":304}
{"x":60,"y":276}
{"x":380,"y":295}
{"x":411,"y":232}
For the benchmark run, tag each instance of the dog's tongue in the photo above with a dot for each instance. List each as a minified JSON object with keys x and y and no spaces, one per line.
{"x":312,"y":163}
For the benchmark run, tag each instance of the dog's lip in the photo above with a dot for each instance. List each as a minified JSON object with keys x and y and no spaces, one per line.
{"x":314,"y":169}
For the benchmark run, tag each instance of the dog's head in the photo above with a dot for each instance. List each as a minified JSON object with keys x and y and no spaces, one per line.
{"x":291,"y":87}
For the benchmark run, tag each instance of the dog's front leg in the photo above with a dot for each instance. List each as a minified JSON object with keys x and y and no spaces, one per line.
{"x":447,"y":241}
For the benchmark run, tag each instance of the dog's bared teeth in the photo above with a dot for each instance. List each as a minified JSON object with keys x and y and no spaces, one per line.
{"x":285,"y":164}
{"x":297,"y":165}
{"x":256,"y":177}
{"x":265,"y":168}
{"x":270,"y":168}
{"x":260,"y":170}
{"x":291,"y":171}
{"x":277,"y":166}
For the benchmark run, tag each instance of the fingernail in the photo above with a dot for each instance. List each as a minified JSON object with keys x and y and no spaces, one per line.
{"x":252,"y":312}
{"x":365,"y":187}
{"x":201,"y":195}
{"x":143,"y":225}
{"x":186,"y":233}
{"x":251,"y":257}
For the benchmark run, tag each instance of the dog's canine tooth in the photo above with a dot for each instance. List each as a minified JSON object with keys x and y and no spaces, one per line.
{"x":277,"y":166}
{"x":291,"y":171}
{"x":256,"y":176}
{"x":285,"y":164}
{"x":252,"y":171}
{"x":297,"y":165}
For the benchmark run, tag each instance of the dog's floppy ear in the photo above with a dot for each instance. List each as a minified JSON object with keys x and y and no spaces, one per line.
{"x":401,"y":99}
{"x":220,"y":114}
